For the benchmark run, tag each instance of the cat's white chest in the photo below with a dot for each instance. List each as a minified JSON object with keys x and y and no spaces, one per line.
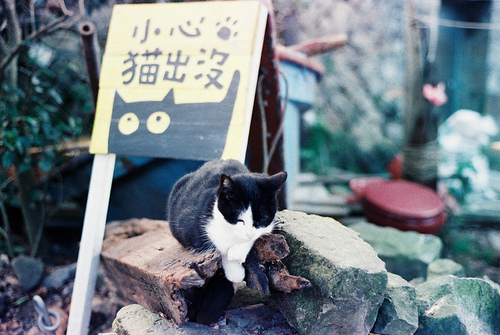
{"x":234,"y":241}
{"x":225,"y":235}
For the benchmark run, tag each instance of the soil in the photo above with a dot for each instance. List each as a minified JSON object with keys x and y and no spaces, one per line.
{"x":18,"y":314}
{"x":17,"y":309}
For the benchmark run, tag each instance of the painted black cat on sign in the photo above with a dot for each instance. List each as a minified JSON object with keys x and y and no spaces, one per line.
{"x":165,"y":129}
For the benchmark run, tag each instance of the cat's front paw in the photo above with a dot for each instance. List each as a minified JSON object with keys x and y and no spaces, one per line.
{"x":234,"y":271}
{"x":238,"y":253}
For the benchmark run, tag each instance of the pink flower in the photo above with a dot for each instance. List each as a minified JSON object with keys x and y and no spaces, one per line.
{"x":435,"y":94}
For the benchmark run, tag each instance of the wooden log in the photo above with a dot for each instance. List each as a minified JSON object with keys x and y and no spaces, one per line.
{"x":148,"y":266}
{"x":264,"y":269}
{"x":321,"y":45}
{"x":281,"y":280}
{"x":271,"y":247}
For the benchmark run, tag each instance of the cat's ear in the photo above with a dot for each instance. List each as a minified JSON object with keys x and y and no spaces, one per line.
{"x":118,"y":100}
{"x":277,"y":180}
{"x":226,"y":185}
{"x":169,"y":98}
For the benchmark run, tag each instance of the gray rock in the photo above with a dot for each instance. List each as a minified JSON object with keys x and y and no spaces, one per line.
{"x":60,"y":276}
{"x":4,"y":261}
{"x":452,"y":305}
{"x":442,"y":267}
{"x":28,"y":271}
{"x":405,"y":253}
{"x":255,"y":319}
{"x":348,"y":279}
{"x":492,"y":283}
{"x":494,"y":239}
{"x":398,"y":314}
{"x":137,"y":320}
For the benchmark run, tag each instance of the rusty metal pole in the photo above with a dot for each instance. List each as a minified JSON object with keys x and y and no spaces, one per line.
{"x":92,"y":55}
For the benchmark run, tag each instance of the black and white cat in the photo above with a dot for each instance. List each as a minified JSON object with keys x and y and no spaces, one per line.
{"x":224,"y":206}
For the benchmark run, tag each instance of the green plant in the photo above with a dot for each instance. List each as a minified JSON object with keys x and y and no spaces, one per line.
{"x":325,"y":149}
{"x":31,"y":126}
{"x":36,"y":105}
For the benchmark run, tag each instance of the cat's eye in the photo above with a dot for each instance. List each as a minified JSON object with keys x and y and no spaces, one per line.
{"x":128,"y":123}
{"x":263,"y":222}
{"x":158,"y":122}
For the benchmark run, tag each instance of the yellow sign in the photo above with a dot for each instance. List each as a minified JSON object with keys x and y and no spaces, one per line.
{"x":178,"y":79}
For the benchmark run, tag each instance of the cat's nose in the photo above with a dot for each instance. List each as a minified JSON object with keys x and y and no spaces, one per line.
{"x":250,"y":235}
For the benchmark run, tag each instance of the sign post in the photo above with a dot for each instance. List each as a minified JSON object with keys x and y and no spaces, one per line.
{"x":91,"y":243}
{"x":177,"y":81}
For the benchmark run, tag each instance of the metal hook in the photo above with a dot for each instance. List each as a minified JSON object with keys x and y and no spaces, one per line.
{"x":44,"y":320}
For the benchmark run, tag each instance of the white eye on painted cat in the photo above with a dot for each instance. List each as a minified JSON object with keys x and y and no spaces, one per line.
{"x":128,"y":124}
{"x":156,"y":123}
{"x":224,"y":206}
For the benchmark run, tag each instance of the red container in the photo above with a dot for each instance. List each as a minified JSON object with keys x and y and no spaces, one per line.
{"x":400,"y":204}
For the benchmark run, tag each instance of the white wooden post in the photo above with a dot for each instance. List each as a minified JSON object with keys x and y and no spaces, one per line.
{"x":94,"y":225}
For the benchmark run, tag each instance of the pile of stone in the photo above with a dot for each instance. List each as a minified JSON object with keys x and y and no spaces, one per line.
{"x":366,"y":278}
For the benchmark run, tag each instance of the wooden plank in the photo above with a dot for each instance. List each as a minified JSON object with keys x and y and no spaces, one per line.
{"x":90,"y":246}
{"x":148,"y":266}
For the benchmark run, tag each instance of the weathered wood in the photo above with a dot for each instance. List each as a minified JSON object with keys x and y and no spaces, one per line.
{"x":268,"y":92}
{"x":148,"y":266}
{"x":281,"y":280}
{"x":270,"y":272}
{"x":271,"y":247}
{"x":321,"y":45}
{"x":420,"y":123}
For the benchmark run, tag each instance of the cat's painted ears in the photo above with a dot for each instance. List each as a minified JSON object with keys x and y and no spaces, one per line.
{"x":118,"y":100}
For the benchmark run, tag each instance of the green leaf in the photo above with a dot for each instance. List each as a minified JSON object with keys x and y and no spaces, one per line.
{"x":56,"y":96}
{"x":8,"y":159}
{"x":33,"y":122}
{"x":45,"y":164}
{"x":19,"y":144}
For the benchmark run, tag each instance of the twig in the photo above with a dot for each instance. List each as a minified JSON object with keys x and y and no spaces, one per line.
{"x":281,"y":128}
{"x":43,"y":216}
{"x":15,"y":28}
{"x":45,"y":30}
{"x":268,"y":152}
{"x":81,"y":7}
{"x":4,"y":48}
{"x":32,"y":14}
{"x":265,"y":155}
{"x":6,"y":232}
{"x":8,"y":181}
{"x":13,"y":39}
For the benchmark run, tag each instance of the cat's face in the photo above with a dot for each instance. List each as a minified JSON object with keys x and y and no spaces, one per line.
{"x":248,"y":204}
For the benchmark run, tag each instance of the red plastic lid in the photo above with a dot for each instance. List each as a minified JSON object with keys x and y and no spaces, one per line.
{"x":404,"y":199}
{"x":358,"y":185}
